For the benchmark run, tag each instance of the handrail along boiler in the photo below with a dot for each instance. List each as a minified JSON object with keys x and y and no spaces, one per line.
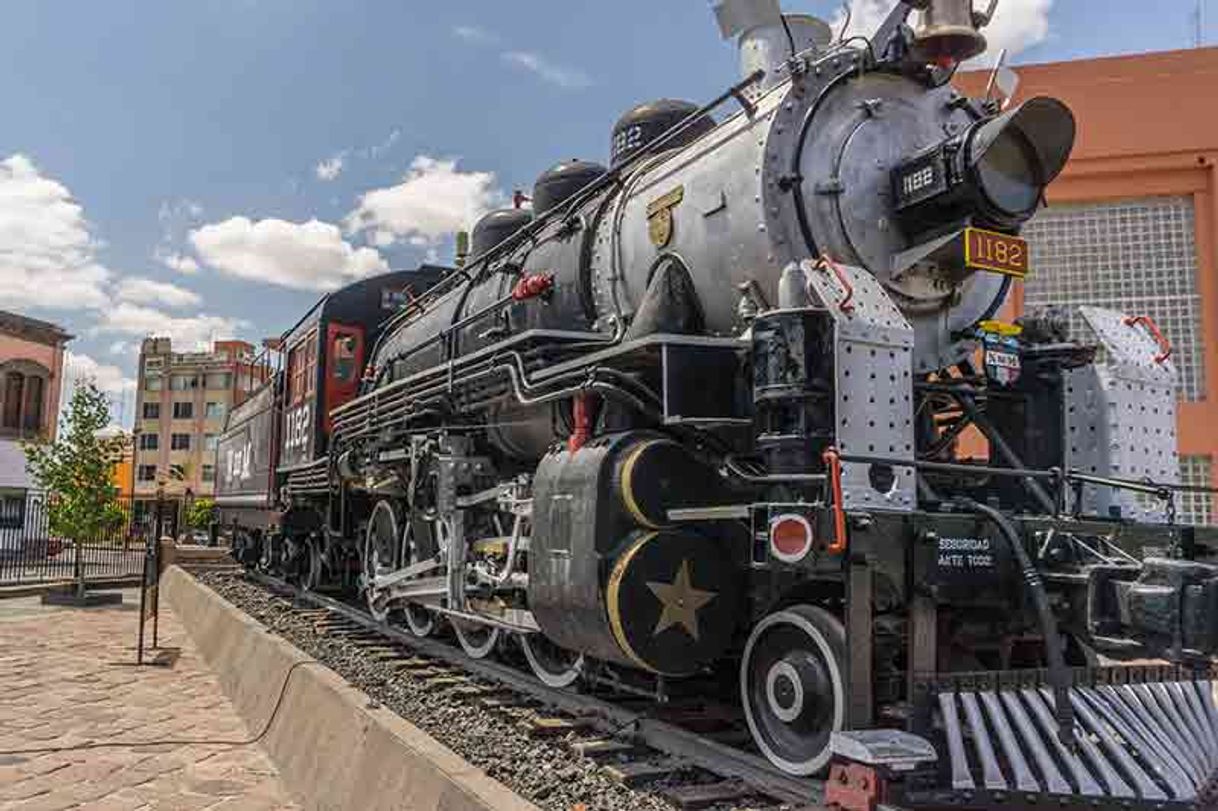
{"x":694,"y":418}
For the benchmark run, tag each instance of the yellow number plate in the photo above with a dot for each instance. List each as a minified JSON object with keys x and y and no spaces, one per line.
{"x":995,"y":252}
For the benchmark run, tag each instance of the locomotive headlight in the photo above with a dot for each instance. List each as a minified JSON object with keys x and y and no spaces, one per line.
{"x":995,"y":173}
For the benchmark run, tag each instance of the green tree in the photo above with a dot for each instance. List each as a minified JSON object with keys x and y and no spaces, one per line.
{"x":200,"y":513}
{"x":77,"y":468}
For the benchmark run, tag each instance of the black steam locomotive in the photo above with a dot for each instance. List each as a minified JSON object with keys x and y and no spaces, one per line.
{"x":699,"y":413}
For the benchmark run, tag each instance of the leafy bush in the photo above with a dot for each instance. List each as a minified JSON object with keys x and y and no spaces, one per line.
{"x":76,"y":470}
{"x":200,"y":513}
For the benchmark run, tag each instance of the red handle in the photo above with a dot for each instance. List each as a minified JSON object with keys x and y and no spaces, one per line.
{"x":846,"y":305}
{"x":833,"y":464}
{"x":1164,"y":344}
{"x":537,"y":284}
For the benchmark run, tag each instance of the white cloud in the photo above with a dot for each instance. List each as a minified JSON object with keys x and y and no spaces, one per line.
{"x":176,"y":261}
{"x":172,"y":211}
{"x":107,"y":377}
{"x":526,"y":60}
{"x":474,"y":35}
{"x":865,"y":16}
{"x":147,"y":291}
{"x":120,"y":348}
{"x":565,"y":77}
{"x":1017,"y":24}
{"x":330,"y":168}
{"x":434,"y":199}
{"x":187,"y":332}
{"x":376,"y":150}
{"x":306,"y":256}
{"x":45,"y":244}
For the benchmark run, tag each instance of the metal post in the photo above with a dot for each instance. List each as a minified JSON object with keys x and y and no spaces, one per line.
{"x":156,"y":566}
{"x":156,"y":590}
{"x":139,"y":647}
{"x":79,"y":571}
{"x":860,"y":632}
{"x":923,"y":635}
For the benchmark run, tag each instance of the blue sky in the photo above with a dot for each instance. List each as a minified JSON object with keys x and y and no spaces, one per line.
{"x":164,"y":163}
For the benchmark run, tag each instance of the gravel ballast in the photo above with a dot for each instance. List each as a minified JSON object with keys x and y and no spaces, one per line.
{"x":545,"y":771}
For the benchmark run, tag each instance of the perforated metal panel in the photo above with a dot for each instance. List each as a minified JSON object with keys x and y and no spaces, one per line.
{"x":1137,"y":256}
{"x":1196,"y":508}
{"x":874,"y":367}
{"x":1121,"y":415}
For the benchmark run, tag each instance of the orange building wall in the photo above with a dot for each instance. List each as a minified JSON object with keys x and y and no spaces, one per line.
{"x":1147,"y":126}
{"x":124,"y":473}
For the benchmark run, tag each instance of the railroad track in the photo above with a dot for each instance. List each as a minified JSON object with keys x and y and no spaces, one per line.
{"x":633,"y":746}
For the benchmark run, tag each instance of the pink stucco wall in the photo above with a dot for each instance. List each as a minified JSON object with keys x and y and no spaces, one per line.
{"x":15,"y":348}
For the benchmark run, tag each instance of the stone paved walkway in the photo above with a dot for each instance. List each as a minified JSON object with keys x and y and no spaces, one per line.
{"x":67,"y":677}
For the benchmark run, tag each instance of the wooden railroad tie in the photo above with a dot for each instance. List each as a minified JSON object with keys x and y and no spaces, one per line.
{"x":539,"y":727}
{"x":426,"y":673}
{"x":446,"y":680}
{"x":602,"y":747}
{"x":411,"y":663}
{"x":706,"y":794}
{"x":476,"y":691}
{"x":632,"y":774}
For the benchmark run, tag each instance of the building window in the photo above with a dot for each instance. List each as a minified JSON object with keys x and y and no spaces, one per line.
{"x":210,"y":442}
{"x":12,"y":512}
{"x":146,"y":473}
{"x":179,"y":442}
{"x":183,"y":411}
{"x":1138,"y":256}
{"x":183,"y":382}
{"x":209,"y":473}
{"x":219,"y":381}
{"x":214,"y":411}
{"x":22,"y":405}
{"x":14,"y":391}
{"x":1196,"y":508}
{"x":149,"y":442}
{"x":153,"y":383}
{"x":32,"y":418}
{"x":152,"y":411}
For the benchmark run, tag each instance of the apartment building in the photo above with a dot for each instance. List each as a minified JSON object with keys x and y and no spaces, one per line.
{"x":182,"y":401}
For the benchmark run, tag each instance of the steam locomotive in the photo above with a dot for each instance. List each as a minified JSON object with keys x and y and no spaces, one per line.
{"x":698,"y":414}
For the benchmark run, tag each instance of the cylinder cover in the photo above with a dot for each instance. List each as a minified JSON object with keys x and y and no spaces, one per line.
{"x":610,"y":576}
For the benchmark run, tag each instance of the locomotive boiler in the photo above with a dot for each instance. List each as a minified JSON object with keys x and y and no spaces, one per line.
{"x":695,"y":415}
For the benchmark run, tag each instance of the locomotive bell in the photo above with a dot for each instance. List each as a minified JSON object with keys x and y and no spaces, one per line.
{"x":948,"y":32}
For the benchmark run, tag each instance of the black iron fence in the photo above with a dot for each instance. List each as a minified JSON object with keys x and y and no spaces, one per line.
{"x":32,"y":552}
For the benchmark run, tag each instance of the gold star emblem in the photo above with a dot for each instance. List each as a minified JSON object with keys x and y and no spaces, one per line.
{"x":681,"y":602}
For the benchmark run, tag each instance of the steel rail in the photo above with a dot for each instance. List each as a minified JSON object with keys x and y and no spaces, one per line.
{"x":664,"y":737}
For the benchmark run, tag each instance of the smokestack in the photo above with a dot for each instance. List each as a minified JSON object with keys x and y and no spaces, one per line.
{"x":768,"y":46}
{"x":767,"y":37}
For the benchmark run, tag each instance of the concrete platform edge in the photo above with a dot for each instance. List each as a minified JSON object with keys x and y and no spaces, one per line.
{"x":334,"y":749}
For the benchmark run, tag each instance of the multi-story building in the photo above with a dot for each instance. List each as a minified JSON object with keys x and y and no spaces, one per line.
{"x":1132,"y":222}
{"x":31,"y":375}
{"x":182,"y":401}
